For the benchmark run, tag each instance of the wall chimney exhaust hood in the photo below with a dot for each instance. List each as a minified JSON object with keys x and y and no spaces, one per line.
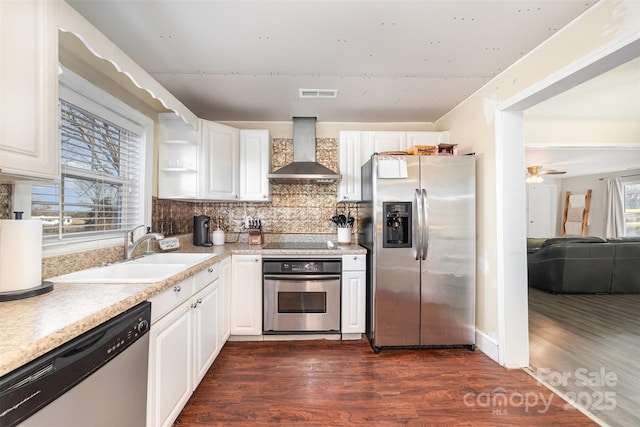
{"x":304,"y":169}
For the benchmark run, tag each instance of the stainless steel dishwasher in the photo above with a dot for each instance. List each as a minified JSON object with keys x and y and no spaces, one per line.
{"x":96,"y":379}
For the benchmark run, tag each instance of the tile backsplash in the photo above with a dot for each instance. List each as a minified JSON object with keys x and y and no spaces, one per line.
{"x":298,"y":209}
{"x":293,"y":209}
{"x":5,"y":201}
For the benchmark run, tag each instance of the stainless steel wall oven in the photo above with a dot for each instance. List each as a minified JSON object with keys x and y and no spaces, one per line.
{"x":301,"y":296}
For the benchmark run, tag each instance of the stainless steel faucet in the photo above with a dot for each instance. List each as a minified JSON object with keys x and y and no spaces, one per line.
{"x":130,"y":244}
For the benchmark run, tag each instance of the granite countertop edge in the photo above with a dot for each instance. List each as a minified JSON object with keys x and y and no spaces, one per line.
{"x":32,"y":327}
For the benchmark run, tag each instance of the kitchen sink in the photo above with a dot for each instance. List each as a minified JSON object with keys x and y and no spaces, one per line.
{"x":188,"y":259}
{"x":128,"y":272}
{"x":147,"y":269}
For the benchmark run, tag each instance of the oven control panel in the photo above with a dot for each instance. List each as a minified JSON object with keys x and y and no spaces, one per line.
{"x":302,"y":266}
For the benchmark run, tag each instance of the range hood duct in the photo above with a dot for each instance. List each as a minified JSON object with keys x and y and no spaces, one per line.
{"x":304,"y":169}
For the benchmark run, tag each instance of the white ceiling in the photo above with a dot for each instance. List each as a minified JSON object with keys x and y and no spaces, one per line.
{"x":579,"y":161}
{"x":612,"y":98}
{"x":391,"y":61}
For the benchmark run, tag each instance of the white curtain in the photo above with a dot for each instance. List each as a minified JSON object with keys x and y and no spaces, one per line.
{"x":614,"y":216}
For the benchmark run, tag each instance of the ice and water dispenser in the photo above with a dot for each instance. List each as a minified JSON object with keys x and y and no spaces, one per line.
{"x":397,"y":230}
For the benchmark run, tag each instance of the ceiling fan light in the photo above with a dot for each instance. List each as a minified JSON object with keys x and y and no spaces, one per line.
{"x":535,"y":179}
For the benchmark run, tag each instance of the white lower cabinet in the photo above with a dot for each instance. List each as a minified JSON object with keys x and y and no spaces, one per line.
{"x":354,"y":279}
{"x":206,"y":328}
{"x":185,"y":338}
{"x":225,"y":298}
{"x":246,"y":295}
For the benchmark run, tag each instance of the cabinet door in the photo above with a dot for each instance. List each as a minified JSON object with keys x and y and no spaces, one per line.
{"x":220,"y":154}
{"x":225,"y":300}
{"x":386,"y":141}
{"x":246,"y":295}
{"x":427,"y":138}
{"x":350,"y":156}
{"x":353,"y":302}
{"x":29,"y":145}
{"x":170,"y":367}
{"x":255,"y":164}
{"x":205,"y":309}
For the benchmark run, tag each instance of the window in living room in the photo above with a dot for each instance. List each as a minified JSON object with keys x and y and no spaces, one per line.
{"x":632,"y":208}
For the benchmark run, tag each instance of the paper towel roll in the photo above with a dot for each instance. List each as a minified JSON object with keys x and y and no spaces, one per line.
{"x":20,"y":254}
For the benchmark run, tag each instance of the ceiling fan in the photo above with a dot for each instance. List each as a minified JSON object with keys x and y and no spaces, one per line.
{"x":535,"y":173}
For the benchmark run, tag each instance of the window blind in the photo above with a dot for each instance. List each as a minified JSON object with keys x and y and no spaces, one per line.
{"x":99,"y":185}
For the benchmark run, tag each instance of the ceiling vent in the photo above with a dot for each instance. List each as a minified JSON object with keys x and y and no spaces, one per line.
{"x":318,"y":93}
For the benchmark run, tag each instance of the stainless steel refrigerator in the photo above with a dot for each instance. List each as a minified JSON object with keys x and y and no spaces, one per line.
{"x":418,"y":224}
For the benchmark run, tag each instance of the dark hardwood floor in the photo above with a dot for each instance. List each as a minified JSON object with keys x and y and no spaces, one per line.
{"x":322,"y":383}
{"x":588,"y":346}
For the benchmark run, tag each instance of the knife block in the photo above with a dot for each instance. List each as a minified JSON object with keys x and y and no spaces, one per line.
{"x":255,"y":237}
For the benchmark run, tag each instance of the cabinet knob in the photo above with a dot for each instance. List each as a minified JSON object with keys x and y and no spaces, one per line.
{"x":355,"y":258}
{"x":344,"y":197}
{"x":177,"y":288}
{"x":257,"y":260}
{"x":210,"y":269}
{"x":264,"y":196}
{"x":194,"y":305}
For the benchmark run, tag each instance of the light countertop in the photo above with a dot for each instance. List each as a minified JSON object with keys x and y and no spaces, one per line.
{"x":34,"y":326}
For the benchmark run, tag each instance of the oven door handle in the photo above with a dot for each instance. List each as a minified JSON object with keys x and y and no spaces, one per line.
{"x":298,"y":277}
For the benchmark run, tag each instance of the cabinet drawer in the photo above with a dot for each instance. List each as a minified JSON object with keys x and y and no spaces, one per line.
{"x":206,"y":276}
{"x":165,"y":301}
{"x":354,"y":262}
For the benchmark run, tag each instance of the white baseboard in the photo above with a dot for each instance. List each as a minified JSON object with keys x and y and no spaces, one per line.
{"x":246,"y":338}
{"x":487,"y":345}
{"x":351,"y":337}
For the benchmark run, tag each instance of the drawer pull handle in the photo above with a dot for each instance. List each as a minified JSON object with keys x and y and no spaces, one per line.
{"x":177,"y":288}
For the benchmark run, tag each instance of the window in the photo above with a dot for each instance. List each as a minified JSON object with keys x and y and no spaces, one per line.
{"x":103,"y":153}
{"x":632,"y":208}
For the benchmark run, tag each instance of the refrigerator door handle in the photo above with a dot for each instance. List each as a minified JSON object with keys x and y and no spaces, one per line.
{"x":417,"y":231}
{"x":425,"y":224}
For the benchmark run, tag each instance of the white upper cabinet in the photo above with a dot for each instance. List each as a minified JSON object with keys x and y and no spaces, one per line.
{"x":255,"y":164}
{"x":29,"y":143}
{"x":220,"y":161}
{"x":350,"y":159}
{"x":378,"y":142}
{"x":427,"y":138}
{"x":178,"y":158}
{"x":356,"y":147}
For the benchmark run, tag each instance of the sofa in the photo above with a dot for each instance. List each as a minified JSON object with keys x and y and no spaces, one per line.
{"x":584,"y":265}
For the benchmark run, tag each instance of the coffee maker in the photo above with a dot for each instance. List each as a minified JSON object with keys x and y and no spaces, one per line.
{"x":201,"y":231}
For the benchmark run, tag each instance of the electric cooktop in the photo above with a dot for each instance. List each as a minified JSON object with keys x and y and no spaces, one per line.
{"x":300,"y":245}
